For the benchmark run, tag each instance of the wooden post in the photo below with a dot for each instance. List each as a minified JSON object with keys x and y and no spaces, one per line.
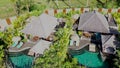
{"x":100,"y":10}
{"x":55,"y":11}
{"x":46,"y":11}
{"x":82,"y":10}
{"x":8,"y":21}
{"x":109,"y":10}
{"x":64,"y":11}
{"x":118,"y":11}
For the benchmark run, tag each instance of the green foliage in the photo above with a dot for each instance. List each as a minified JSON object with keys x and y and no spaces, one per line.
{"x":23,"y":6}
{"x":68,"y":14}
{"x":117,"y":18}
{"x":117,"y":59}
{"x":107,"y":4}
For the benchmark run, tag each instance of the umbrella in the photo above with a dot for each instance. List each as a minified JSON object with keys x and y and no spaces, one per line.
{"x":41,"y":26}
{"x":94,"y":22}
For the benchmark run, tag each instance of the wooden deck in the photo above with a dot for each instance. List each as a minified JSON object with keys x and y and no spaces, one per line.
{"x":25,"y":46}
{"x":83,"y":43}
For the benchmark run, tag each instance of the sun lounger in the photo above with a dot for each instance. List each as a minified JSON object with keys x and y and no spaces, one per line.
{"x":24,"y":47}
{"x":20,"y":44}
{"x":14,"y":44}
{"x":71,"y":42}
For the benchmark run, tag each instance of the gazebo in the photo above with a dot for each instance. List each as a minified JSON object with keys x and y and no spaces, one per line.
{"x":96,"y":22}
{"x":41,"y":26}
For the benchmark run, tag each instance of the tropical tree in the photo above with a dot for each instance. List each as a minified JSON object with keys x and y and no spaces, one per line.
{"x":22,"y":5}
{"x":107,"y":3}
{"x":15,"y":7}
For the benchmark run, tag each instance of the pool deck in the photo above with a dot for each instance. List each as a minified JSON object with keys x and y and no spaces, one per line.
{"x":25,"y":46}
{"x":83,"y":43}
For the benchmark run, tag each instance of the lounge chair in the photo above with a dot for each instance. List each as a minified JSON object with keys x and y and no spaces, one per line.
{"x":25,"y":46}
{"x":14,"y":44}
{"x":71,"y":42}
{"x":20,"y":45}
{"x":15,"y":40}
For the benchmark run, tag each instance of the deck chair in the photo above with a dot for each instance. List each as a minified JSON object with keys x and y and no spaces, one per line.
{"x":15,"y":40}
{"x":20,"y":45}
{"x":14,"y":44}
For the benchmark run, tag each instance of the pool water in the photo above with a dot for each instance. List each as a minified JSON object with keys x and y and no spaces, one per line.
{"x":90,"y":60}
{"x":21,"y":61}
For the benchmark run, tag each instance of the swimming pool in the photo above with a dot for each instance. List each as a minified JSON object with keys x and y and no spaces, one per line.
{"x":21,"y":60}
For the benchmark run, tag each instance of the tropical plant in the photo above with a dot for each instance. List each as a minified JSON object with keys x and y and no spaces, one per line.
{"x":107,"y":3}
{"x":117,"y":18}
{"x":117,"y":58}
{"x":22,"y":5}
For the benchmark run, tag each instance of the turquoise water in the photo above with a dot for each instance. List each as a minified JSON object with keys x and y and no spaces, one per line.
{"x":91,"y":60}
{"x":21,"y":61}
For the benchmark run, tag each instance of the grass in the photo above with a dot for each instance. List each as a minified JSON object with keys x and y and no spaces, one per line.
{"x":7,"y":7}
{"x":71,"y":3}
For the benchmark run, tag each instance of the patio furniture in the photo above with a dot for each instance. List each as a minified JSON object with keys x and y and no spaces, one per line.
{"x":14,"y":44}
{"x":19,"y":45}
{"x":24,"y":47}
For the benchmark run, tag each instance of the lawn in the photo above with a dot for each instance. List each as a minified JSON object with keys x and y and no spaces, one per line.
{"x":7,"y":7}
{"x":71,"y":3}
